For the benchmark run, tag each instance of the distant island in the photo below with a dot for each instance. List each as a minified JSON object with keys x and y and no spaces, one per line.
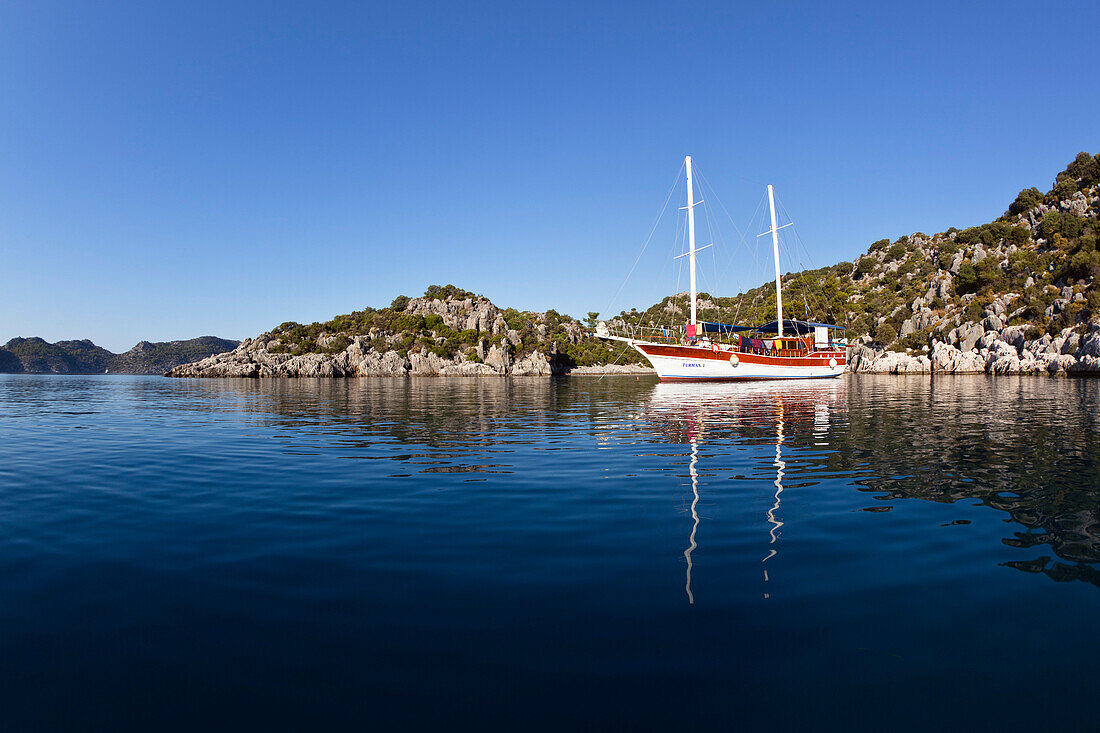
{"x":37,"y":356}
{"x":1015,"y":296}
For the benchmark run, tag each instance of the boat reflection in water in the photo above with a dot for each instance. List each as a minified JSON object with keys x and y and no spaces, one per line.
{"x":745,"y":413}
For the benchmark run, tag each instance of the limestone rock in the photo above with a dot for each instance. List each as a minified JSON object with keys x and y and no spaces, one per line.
{"x":1089,"y":346}
{"x":863,"y":359}
{"x":969,"y":334}
{"x":498,"y":359}
{"x":948,"y":359}
{"x":956,"y":263}
{"x":611,"y":369}
{"x":534,"y":364}
{"x":992,"y":323}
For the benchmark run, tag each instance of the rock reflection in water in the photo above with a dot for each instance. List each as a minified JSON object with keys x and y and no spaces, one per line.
{"x":1027,"y":447}
{"x":1024,"y":446}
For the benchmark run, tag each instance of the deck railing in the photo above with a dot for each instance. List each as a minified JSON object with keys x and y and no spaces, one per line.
{"x":655,"y":334}
{"x":646,"y":333}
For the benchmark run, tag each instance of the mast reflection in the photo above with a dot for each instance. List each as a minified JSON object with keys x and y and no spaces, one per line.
{"x":779,"y":466}
{"x":740,"y":413}
{"x":694,"y":516}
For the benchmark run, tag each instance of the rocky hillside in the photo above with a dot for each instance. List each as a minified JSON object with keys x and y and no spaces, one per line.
{"x":37,"y":356}
{"x":447,"y":332}
{"x":1015,"y":295}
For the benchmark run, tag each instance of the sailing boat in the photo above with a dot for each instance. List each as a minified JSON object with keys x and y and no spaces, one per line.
{"x":695,"y":353}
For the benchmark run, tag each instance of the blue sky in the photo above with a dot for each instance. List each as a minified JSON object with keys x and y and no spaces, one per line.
{"x":175,"y":170}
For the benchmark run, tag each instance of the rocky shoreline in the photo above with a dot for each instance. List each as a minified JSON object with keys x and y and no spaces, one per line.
{"x":252,"y":359}
{"x":990,"y":352}
{"x":972,"y":349}
{"x":984,"y":349}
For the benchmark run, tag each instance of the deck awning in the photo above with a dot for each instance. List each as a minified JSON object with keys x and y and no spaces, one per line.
{"x":791,"y":325}
{"x":704,"y":327}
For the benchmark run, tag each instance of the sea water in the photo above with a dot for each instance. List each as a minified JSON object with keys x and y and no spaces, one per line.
{"x":579,"y":553}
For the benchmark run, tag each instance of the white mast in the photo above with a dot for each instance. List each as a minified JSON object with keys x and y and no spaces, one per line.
{"x":691,"y":235}
{"x":775,"y":251}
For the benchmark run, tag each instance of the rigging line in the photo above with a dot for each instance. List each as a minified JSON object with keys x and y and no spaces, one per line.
{"x":756,"y":272}
{"x":668,"y":261}
{"x":799,"y":275}
{"x":717,"y":237}
{"x":679,"y":262}
{"x":620,"y":356}
{"x":680,"y":271}
{"x":756,"y":245}
{"x":714,"y":262}
{"x":741,"y":178}
{"x":742,"y":234}
{"x":647,"y":240}
{"x":797,"y":237}
{"x":711,"y":226}
{"x":729,"y":251}
{"x":711,"y":192}
{"x":808,"y":288}
{"x":671,"y":259}
{"x":679,"y":237}
{"x":814,"y":288}
{"x":821,"y":293}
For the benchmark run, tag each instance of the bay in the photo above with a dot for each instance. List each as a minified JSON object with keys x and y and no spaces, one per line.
{"x":590,"y":553}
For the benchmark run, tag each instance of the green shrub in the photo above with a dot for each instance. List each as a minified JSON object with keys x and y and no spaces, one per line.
{"x":915,"y":340}
{"x":865,"y":265}
{"x":410,"y":322}
{"x":989,"y":274}
{"x":1017,"y":236}
{"x":447,"y":292}
{"x":946,"y":254}
{"x":974,"y":311}
{"x":1059,"y":222}
{"x":1022,"y":261}
{"x":340,"y":343}
{"x":1092,"y":300}
{"x":967,"y":279}
{"x":1083,"y":264}
{"x":896,"y":251}
{"x":1026,"y":200}
{"x":1084,"y":171}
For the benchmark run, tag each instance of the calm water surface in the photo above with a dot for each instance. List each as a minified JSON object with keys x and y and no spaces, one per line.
{"x":546,"y":554}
